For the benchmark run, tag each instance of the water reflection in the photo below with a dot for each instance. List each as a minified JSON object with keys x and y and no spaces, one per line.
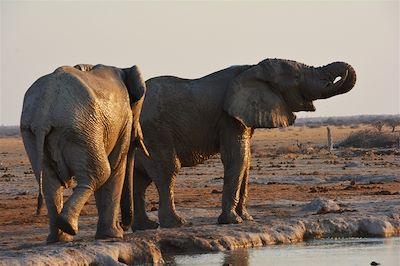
{"x":329,"y":252}
{"x":237,"y":257}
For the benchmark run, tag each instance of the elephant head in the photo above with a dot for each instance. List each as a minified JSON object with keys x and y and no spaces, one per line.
{"x":266,"y":95}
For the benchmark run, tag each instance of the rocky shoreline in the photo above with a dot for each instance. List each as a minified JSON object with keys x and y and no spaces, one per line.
{"x":320,"y":218}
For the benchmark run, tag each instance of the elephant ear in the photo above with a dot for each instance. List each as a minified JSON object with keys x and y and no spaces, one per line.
{"x":252,"y":99}
{"x":135,"y":84}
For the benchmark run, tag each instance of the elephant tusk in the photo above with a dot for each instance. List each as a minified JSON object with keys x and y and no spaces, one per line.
{"x":143,"y":147}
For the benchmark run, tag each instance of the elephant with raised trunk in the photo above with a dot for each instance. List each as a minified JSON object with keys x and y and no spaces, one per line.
{"x":83,"y":122}
{"x":186,"y":121}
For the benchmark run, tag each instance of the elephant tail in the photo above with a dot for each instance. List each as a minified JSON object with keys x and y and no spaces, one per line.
{"x":40,"y":136}
{"x":127,"y":191}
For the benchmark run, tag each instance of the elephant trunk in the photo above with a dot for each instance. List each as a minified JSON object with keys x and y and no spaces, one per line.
{"x":327,"y":75}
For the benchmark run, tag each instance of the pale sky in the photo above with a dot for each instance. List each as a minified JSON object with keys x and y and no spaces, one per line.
{"x":193,"y":39}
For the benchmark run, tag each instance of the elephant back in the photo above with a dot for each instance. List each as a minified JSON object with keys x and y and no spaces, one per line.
{"x":68,"y":96}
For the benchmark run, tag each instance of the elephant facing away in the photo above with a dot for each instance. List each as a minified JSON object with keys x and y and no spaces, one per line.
{"x":186,"y":121}
{"x":83,"y":122}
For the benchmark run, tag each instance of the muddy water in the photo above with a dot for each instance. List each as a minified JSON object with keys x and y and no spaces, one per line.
{"x":329,"y":252}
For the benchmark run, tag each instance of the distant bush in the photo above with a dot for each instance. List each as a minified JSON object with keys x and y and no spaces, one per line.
{"x":316,"y":125}
{"x":392,"y":123}
{"x":370,"y":139}
{"x":378,"y":125}
{"x":8,"y":131}
{"x":347,"y":120}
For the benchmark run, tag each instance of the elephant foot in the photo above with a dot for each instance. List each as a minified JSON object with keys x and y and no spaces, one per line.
{"x":172,"y":221}
{"x":58,"y":237}
{"x":125,"y":227}
{"x":66,"y":225}
{"x":229,"y":218}
{"x":144,"y":224}
{"x":115,"y":232}
{"x":245,"y":215}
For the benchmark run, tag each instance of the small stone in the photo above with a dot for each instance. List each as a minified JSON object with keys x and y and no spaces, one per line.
{"x":352,"y":164}
{"x":383,"y":192}
{"x":7,"y":175}
{"x":375,"y":263}
{"x":322,"y":206}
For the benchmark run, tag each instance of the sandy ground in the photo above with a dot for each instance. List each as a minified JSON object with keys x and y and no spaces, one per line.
{"x":359,"y":192}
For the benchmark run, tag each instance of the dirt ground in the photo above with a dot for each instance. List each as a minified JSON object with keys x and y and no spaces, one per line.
{"x":289,"y":166}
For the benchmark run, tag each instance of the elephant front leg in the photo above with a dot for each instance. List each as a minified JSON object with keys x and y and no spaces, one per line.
{"x":230,"y":197}
{"x":235,"y":152}
{"x":241,"y":208}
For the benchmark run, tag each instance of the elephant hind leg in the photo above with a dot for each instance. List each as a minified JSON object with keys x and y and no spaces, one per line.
{"x":108,"y":195}
{"x":141,"y":220}
{"x":91,"y":168}
{"x":67,"y":220}
{"x":53,"y":192}
{"x":167,"y":214}
{"x":108,"y":198}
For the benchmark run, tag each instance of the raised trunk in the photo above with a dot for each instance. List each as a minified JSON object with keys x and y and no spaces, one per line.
{"x":329,"y":87}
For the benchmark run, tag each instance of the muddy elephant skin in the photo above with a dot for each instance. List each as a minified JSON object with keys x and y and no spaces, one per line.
{"x":80,"y":122}
{"x":185,"y":121}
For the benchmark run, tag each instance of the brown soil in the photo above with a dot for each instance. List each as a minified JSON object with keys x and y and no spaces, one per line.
{"x":288,"y":166}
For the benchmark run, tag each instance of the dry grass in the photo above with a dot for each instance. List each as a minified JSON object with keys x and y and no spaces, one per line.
{"x":371,"y":139}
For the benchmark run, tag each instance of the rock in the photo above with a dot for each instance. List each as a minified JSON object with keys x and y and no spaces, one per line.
{"x":320,"y":206}
{"x":97,"y":253}
{"x":383,"y":192}
{"x":375,"y":227}
{"x":318,"y":189}
{"x":352,"y":164}
{"x":374,"y":263}
{"x":7,"y":175}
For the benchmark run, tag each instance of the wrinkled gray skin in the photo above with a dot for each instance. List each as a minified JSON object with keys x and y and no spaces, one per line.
{"x":186,"y":121}
{"x":79,"y":122}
